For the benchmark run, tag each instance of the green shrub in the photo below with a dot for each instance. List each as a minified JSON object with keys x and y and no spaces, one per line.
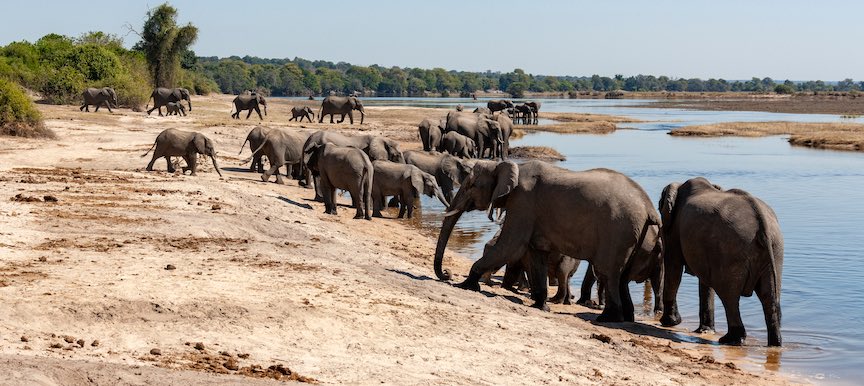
{"x":196,"y":82}
{"x":63,"y":86}
{"x":132,"y":82}
{"x":18,"y":115}
{"x":784,"y":89}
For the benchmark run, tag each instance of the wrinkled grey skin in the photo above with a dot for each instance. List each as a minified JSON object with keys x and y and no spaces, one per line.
{"x":345,"y":168}
{"x":482,"y":110}
{"x":256,"y":138}
{"x":187,"y":144}
{"x":524,"y":113}
{"x":459,"y":145}
{"x":498,"y":105}
{"x":732,"y":242}
{"x":599,"y":215}
{"x":480,"y":128}
{"x":302,"y":112}
{"x":407,"y":182}
{"x":282,"y":147}
{"x":448,"y":170}
{"x":535,"y":109}
{"x":375,"y":147}
{"x":503,"y":149}
{"x":431,"y":131}
{"x":175,"y":108}
{"x":98,"y":97}
{"x":332,"y":105}
{"x":250,"y":102}
{"x":162,"y":96}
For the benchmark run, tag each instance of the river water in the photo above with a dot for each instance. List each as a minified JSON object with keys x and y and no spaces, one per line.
{"x":818,"y":196}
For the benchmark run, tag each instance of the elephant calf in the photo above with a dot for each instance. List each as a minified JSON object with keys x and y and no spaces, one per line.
{"x":344,"y":168}
{"x":299,"y":113}
{"x":186,"y":144}
{"x":406,"y":181}
{"x":175,"y":108}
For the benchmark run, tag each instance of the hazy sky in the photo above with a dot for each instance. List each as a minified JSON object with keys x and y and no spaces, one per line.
{"x":730,"y":39}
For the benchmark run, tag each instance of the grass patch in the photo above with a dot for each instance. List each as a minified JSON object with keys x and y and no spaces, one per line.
{"x":18,"y":116}
{"x":837,"y":136}
{"x":601,"y":127}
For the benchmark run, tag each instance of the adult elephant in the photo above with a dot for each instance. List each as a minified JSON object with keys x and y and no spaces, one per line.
{"x":431,"y":131}
{"x":525,"y":113}
{"x":249,"y":102}
{"x":459,"y":145}
{"x":162,"y":96}
{"x":98,"y":97}
{"x":732,"y":242}
{"x":302,"y":112}
{"x":482,"y":110}
{"x":498,"y":105}
{"x":345,"y":168}
{"x":479,"y":127}
{"x":502,"y":150}
{"x":448,"y":170}
{"x":255,"y":138}
{"x":186,"y":144}
{"x":343,"y":106}
{"x":535,"y":109}
{"x":599,"y":215}
{"x":282,"y":147}
{"x":407,"y":182}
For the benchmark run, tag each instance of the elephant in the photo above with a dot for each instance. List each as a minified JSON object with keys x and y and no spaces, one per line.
{"x":97,"y":97}
{"x":732,"y":242}
{"x":431,"y":131}
{"x":282,"y":147}
{"x":187,"y":144}
{"x":524,"y":113}
{"x":406,"y":181}
{"x":255,"y":137}
{"x":535,"y":109}
{"x":342,"y":106}
{"x":302,"y":112}
{"x":498,"y":105}
{"x":477,"y":127}
{"x":482,"y":110}
{"x":502,"y":150}
{"x":345,"y":168}
{"x":376,"y":147}
{"x":175,"y":108}
{"x":599,"y":215}
{"x":249,"y":102}
{"x":459,"y":107}
{"x":162,"y":96}
{"x":448,"y":170}
{"x":458,"y":145}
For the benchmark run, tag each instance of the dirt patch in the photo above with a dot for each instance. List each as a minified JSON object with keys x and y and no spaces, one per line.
{"x":835,"y":136}
{"x":226,"y":363}
{"x":542,"y":153}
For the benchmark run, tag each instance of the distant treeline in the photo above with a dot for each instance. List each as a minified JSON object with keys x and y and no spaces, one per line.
{"x":60,"y":67}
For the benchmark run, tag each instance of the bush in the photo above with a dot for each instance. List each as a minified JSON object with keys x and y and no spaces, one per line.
{"x":18,"y":115}
{"x":63,"y":86}
{"x":132,"y":82}
{"x":196,"y":82}
{"x":784,"y":89}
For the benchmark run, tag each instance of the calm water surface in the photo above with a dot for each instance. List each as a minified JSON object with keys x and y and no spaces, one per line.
{"x":818,"y":197}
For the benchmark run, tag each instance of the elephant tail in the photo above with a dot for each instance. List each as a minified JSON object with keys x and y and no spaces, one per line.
{"x":243,"y":145}
{"x":151,"y":148}
{"x":261,"y":146}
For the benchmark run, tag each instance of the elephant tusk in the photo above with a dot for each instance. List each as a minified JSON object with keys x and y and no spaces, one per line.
{"x":452,"y":212}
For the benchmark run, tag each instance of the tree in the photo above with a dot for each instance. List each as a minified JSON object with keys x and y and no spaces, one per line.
{"x":163,"y":43}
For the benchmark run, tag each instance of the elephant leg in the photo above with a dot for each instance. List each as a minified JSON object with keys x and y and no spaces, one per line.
{"x":341,"y":119}
{"x":151,"y":110}
{"x":249,"y":114}
{"x":736,"y":334}
{"x":82,"y":107}
{"x":585,"y":290}
{"x":614,"y":310}
{"x":509,"y":247}
{"x":108,"y":106}
{"x":358,"y":201}
{"x":377,"y":203}
{"x":192,"y":163}
{"x":350,"y":117}
{"x":706,"y":308}
{"x":563,"y":294}
{"x":97,"y":107}
{"x":627,"y":308}
{"x":767,"y":292}
{"x":672,"y":279}
{"x":152,"y":161}
{"x":537,"y":278}
{"x":274,"y":170}
{"x":319,"y":194}
{"x":170,"y":164}
{"x":512,"y":274}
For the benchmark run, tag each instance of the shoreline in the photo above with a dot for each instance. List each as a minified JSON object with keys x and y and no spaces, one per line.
{"x":263,"y":277}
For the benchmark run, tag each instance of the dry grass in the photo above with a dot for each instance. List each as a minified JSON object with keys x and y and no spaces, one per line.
{"x":542,"y":153}
{"x":839,"y":136}
{"x":599,"y":127}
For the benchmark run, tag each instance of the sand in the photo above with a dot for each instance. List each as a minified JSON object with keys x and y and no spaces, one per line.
{"x":92,"y":247}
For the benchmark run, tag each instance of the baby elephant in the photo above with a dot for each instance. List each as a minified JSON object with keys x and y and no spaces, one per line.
{"x":186,"y":144}
{"x":343,"y":168}
{"x":302,"y":112}
{"x":175,"y":108}
{"x":406,"y":181}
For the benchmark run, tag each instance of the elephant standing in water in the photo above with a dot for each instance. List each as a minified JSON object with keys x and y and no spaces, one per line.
{"x":342,"y":106}
{"x":448,"y":170}
{"x":498,"y":105}
{"x":599,"y":215}
{"x":302,"y":112}
{"x":484,"y":131}
{"x":186,"y":144}
{"x":732,"y":242}
{"x":162,"y":96}
{"x":407,"y":182}
{"x":344,"y":168}
{"x":97,"y":97}
{"x":249,"y":102}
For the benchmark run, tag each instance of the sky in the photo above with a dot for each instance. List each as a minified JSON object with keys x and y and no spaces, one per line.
{"x":729,"y":39}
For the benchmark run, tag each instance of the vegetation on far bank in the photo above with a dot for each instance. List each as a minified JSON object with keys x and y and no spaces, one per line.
{"x":838,"y":136}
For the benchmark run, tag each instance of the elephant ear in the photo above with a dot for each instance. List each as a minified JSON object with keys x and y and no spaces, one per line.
{"x":667,"y":204}
{"x":377,"y":150}
{"x":506,"y":179}
{"x":451,"y":168}
{"x":417,"y":183}
{"x":200,"y":143}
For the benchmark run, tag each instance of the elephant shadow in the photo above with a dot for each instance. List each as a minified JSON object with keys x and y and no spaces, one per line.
{"x":643,"y":329}
{"x":234,"y":169}
{"x":411,"y":275}
{"x":295,"y":203}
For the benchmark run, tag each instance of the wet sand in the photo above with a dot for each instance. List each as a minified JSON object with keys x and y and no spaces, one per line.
{"x":94,"y":248}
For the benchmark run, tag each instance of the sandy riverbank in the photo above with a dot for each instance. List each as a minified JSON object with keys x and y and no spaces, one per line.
{"x":261,"y":277}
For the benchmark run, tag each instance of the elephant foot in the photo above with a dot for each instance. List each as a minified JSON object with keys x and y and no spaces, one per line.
{"x":672,"y":319}
{"x":358,"y":216}
{"x":542,"y":306}
{"x":735,"y":337}
{"x":378,"y":215}
{"x":567,"y":301}
{"x":469,"y":284}
{"x":265,"y":177}
{"x":704,"y":330}
{"x":556,"y":299}
{"x":368,"y":218}
{"x":319,"y":198}
{"x":393,"y":203}
{"x":589,"y":303}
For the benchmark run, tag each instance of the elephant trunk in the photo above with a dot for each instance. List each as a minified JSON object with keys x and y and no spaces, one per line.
{"x":440,"y":195}
{"x":443,"y":238}
{"x":362,"y":115}
{"x":215,"y":165}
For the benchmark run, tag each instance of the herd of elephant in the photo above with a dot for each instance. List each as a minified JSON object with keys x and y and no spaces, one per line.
{"x":550,"y":217}
{"x":172,"y":99}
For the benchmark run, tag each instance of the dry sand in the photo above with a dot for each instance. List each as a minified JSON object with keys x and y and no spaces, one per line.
{"x":263,"y":279}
